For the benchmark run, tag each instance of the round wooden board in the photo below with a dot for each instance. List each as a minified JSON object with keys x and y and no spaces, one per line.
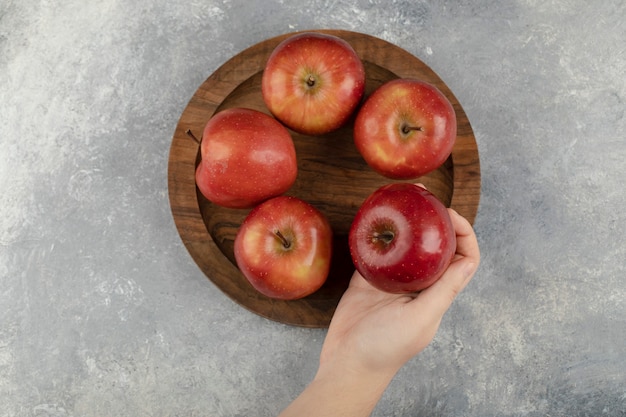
{"x":331,"y":175}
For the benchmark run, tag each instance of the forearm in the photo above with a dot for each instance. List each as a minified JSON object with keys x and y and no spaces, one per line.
{"x":335,"y":392}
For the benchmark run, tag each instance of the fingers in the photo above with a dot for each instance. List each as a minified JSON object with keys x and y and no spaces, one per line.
{"x":466,"y":242}
{"x":436,"y":299}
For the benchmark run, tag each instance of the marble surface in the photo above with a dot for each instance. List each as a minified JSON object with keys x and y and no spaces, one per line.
{"x":104,"y":313}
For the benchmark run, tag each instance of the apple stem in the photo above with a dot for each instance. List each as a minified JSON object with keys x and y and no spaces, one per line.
{"x":406,"y":129}
{"x":286,"y":243}
{"x":192,"y":136}
{"x":311,"y":81}
{"x":386,"y":237}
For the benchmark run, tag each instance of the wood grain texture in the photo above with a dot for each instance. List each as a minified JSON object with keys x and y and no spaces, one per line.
{"x":331,"y":175}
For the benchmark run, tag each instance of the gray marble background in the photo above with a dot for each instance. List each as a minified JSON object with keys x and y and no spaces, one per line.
{"x":104,"y":313}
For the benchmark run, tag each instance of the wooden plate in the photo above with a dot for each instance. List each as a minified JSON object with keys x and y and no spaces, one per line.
{"x":332,"y":175}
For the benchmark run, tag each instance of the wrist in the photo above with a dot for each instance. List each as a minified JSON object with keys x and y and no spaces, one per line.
{"x":368,"y":385}
{"x":353,"y":366}
{"x":339,"y":391}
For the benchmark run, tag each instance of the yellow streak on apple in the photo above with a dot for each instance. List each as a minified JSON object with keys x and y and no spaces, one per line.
{"x":251,"y":238}
{"x":303,"y":271}
{"x":300,"y":272}
{"x":281,"y":97}
{"x":384,"y":156}
{"x":400,"y":93}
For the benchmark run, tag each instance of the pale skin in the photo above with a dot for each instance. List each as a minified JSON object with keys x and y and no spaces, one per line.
{"x":373,"y":334}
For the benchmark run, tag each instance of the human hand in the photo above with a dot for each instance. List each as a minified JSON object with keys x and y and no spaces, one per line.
{"x":373,"y":334}
{"x":376,"y":333}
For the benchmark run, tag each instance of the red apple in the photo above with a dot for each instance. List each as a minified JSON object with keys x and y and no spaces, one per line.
{"x":402,"y":238}
{"x":283,"y":248}
{"x":405,"y":129}
{"x":313,"y":82}
{"x":246,"y":157}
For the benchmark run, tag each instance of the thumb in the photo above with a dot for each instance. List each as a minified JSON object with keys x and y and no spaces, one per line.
{"x":437,"y":298}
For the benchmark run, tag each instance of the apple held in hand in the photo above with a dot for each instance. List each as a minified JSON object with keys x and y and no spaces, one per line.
{"x":247,"y":157}
{"x":313,"y":82}
{"x":283,"y":248}
{"x":402,"y":238}
{"x":405,"y":129}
